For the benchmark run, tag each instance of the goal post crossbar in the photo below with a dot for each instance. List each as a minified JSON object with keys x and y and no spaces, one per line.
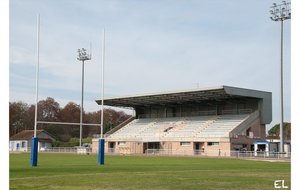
{"x":67,"y":123}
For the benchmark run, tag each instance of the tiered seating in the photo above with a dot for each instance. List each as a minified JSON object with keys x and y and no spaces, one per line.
{"x":176,"y":128}
{"x":156,"y":131}
{"x":133,"y":129}
{"x":190,"y":126}
{"x":221,"y":126}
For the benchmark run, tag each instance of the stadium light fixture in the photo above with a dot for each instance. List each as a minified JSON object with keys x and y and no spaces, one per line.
{"x":82,"y":56}
{"x":281,"y":13}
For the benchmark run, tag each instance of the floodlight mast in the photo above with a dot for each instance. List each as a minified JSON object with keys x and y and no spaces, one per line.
{"x":281,"y":13}
{"x":82,"y":56}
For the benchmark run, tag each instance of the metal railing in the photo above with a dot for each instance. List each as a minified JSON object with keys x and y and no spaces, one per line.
{"x":169,"y":152}
{"x":77,"y":150}
{"x":261,"y":154}
{"x":212,"y":153}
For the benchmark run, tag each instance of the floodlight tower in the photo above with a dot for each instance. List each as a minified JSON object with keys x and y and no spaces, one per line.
{"x":82,"y":56}
{"x":281,"y":13}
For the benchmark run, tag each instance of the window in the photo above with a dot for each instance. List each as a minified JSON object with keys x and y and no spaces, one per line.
{"x":12,"y":145}
{"x":43,"y":144}
{"x":121,"y":143}
{"x":212,"y":143}
{"x":23,"y":144}
{"x":185,"y":143}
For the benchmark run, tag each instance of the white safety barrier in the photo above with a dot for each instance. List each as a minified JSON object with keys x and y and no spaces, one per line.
{"x":218,"y":153}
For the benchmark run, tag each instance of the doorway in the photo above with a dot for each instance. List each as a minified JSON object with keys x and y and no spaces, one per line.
{"x":111,"y":146}
{"x":198,"y":147}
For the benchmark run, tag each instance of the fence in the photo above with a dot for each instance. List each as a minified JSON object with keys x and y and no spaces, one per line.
{"x":78,"y":150}
{"x":218,"y":153}
{"x":261,"y":154}
{"x":169,"y":152}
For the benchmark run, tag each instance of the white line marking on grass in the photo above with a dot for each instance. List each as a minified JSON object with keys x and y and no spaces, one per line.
{"x":269,"y":160}
{"x":88,"y":174}
{"x":125,"y":172}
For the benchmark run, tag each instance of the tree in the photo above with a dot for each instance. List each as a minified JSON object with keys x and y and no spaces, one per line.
{"x":91,"y":117}
{"x":22,"y":117}
{"x":275,"y":130}
{"x":29,"y":120}
{"x":70,"y":113}
{"x":18,"y":112}
{"x":113,"y":118}
{"x":48,"y":110}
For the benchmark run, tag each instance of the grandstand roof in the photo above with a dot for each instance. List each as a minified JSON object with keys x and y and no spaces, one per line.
{"x":197,"y":95}
{"x":180,"y":97}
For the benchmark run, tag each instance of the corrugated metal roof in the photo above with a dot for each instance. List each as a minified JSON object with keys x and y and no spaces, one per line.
{"x":196,"y":96}
{"x":178,"y":97}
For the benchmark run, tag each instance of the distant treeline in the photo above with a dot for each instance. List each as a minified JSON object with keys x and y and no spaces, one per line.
{"x":21,"y":117}
{"x":275,"y":131}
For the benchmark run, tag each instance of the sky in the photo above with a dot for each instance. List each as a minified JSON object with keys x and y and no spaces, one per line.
{"x":151,"y":46}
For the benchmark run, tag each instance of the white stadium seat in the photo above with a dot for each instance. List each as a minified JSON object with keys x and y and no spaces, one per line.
{"x":159,"y":129}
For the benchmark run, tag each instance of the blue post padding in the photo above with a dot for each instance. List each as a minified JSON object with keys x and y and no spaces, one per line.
{"x":34,"y":152}
{"x":101,"y":152}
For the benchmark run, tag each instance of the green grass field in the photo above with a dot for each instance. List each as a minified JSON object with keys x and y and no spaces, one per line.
{"x":70,"y":171}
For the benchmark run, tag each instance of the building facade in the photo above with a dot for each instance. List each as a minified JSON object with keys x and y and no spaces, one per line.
{"x":21,"y":142}
{"x":211,"y":121}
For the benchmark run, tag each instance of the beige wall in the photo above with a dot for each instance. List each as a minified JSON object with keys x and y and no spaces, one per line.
{"x":223,"y":149}
{"x":181,"y":149}
{"x":175,"y":148}
{"x":129,"y":147}
{"x":95,"y":145}
{"x":120,"y":147}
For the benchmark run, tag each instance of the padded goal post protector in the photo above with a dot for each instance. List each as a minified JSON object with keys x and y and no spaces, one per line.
{"x":101,"y":151}
{"x":34,"y":152}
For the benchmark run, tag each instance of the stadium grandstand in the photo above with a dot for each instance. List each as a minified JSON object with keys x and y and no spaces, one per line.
{"x":202,"y":121}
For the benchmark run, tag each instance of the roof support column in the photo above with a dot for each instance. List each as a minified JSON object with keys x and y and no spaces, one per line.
{"x":180,"y":111}
{"x":166,"y":112}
